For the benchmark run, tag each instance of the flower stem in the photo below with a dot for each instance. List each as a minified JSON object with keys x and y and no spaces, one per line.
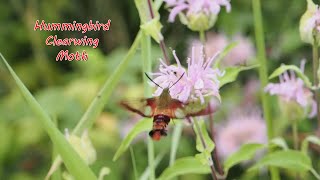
{"x":263,"y":74}
{"x":315,"y":57}
{"x":195,"y":122}
{"x":214,"y":153}
{"x":146,"y":58}
{"x":175,"y":142}
{"x":202,"y":36}
{"x":134,"y":164}
{"x":295,"y":134}
{"x":295,"y":140}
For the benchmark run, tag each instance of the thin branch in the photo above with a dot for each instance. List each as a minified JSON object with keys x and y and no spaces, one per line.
{"x":215,"y":152}
{"x":213,"y":172}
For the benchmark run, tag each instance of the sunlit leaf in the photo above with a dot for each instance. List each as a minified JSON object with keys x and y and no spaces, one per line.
{"x":231,"y":73}
{"x":246,"y":152}
{"x":290,"y":159}
{"x":307,"y":140}
{"x":142,"y":126}
{"x":280,"y":142}
{"x":184,"y":166}
{"x":294,"y":68}
{"x":204,"y":157}
{"x":72,"y":160}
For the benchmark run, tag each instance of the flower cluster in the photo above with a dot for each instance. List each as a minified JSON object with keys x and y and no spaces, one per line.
{"x":199,"y":15}
{"x":292,"y":89}
{"x":198,"y":81}
{"x":240,"y":128}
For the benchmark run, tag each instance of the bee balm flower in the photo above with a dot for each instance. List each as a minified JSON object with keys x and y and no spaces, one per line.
{"x":198,"y":81}
{"x":241,"y":54}
{"x":292,"y":91}
{"x":241,"y":128}
{"x":199,"y":15}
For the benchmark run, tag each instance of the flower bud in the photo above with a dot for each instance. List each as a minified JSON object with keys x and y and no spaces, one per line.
{"x":201,"y":21}
{"x":310,"y":24}
{"x":197,"y":15}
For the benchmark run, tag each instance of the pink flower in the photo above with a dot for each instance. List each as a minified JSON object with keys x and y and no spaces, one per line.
{"x":240,"y":128}
{"x":241,"y":54}
{"x":207,"y":7}
{"x":215,"y":43}
{"x":292,"y":89}
{"x":199,"y":80}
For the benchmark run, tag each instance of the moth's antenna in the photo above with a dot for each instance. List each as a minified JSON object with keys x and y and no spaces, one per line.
{"x":153,"y":81}
{"x":177,"y":81}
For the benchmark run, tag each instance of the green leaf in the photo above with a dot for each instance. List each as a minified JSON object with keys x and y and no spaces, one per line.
{"x":290,"y":159}
{"x":279,"y":142}
{"x":72,"y":160}
{"x":246,"y":152}
{"x":225,"y":51}
{"x":204,"y":157}
{"x":284,"y":68}
{"x":104,"y":94}
{"x":142,"y":126}
{"x":307,"y":140}
{"x":183,"y":166}
{"x":231,"y":73}
{"x":209,"y":143}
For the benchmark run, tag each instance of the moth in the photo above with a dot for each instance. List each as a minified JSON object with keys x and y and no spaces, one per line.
{"x":163,"y":108}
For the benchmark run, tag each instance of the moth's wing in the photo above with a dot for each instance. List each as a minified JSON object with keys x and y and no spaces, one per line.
{"x":195,"y":108}
{"x":177,"y":110}
{"x":144,"y":106}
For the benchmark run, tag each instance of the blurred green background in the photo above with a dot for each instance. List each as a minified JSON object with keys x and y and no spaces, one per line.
{"x":65,"y":89}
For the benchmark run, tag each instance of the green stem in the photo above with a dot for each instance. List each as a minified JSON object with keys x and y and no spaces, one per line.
{"x":175,"y":142}
{"x":134,"y":164}
{"x":295,"y":142}
{"x":202,"y":37}
{"x":315,"y":57}
{"x":295,"y":135}
{"x":146,"y":58}
{"x":263,"y":74}
{"x":57,"y":173}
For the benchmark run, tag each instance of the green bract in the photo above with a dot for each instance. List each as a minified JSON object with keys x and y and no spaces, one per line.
{"x":150,"y":25}
{"x":199,"y":21}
